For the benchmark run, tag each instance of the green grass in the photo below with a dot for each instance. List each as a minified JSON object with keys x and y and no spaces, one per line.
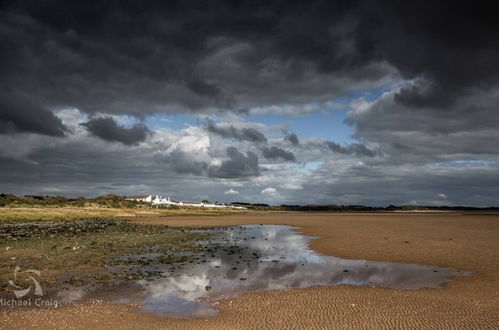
{"x":88,"y":254}
{"x":30,"y":214}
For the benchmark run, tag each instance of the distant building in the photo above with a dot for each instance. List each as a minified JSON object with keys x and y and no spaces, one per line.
{"x":159,"y":200}
{"x":140,"y":198}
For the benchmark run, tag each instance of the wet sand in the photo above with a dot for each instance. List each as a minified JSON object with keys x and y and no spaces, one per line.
{"x":466,"y":242}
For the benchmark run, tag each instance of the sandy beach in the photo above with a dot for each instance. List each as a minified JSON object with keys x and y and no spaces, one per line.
{"x":467,"y":242}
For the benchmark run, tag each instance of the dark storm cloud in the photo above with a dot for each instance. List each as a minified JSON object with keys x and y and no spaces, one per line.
{"x":76,"y":168}
{"x":107,"y":129}
{"x":408,"y":135}
{"x":354,"y":148}
{"x":19,"y":114}
{"x":203,"y":88}
{"x":242,"y":134}
{"x":213,"y":91}
{"x":278,"y":153}
{"x":293,"y":139}
{"x":238,"y":165}
{"x":141,"y":58}
{"x":185,"y":163}
{"x":450,"y":48}
{"x":125,"y":57}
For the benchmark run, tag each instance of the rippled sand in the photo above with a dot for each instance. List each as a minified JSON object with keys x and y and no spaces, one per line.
{"x":466,"y":242}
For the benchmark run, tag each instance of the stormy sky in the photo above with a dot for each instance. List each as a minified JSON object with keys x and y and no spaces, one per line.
{"x":312,"y":102}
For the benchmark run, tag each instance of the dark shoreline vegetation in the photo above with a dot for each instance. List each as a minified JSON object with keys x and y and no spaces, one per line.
{"x":91,"y":251}
{"x":117,"y":201}
{"x":114,"y":201}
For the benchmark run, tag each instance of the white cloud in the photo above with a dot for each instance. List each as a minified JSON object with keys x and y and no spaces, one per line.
{"x":270,"y":192}
{"x":231,"y":192}
{"x":442,"y":195}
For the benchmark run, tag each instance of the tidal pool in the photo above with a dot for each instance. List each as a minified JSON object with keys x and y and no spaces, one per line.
{"x":251,"y":258}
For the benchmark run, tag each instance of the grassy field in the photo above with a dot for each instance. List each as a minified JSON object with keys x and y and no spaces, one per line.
{"x":89,"y":252}
{"x":26,"y":214}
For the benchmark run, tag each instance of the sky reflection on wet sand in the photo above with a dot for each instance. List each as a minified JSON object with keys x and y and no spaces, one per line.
{"x":254,"y":258}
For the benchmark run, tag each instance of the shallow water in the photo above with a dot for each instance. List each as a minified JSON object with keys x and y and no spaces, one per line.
{"x":247,"y":259}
